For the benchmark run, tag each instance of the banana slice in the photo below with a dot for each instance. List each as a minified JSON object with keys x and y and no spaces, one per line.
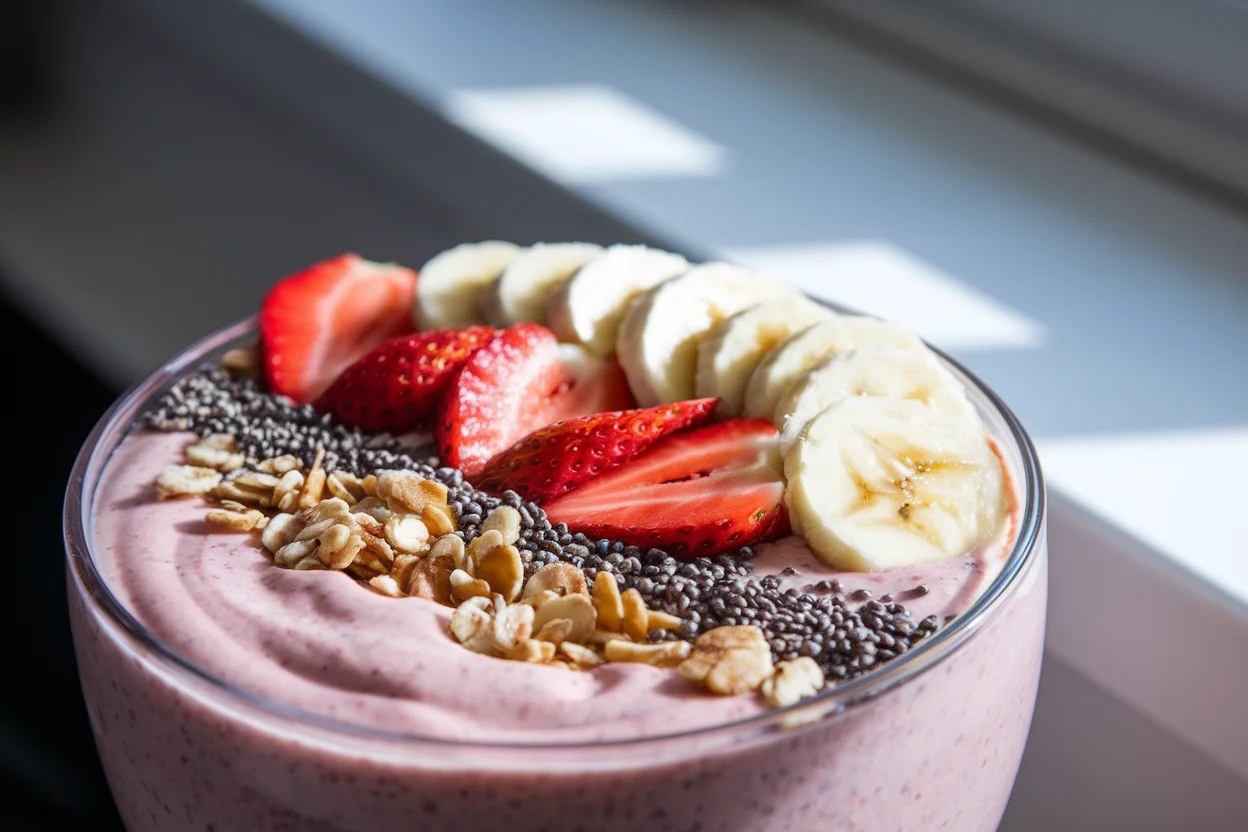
{"x":730,"y":352}
{"x":879,"y":483}
{"x":520,"y":293}
{"x":658,"y":339}
{"x":450,"y":285}
{"x":587,"y":308}
{"x":871,"y":371}
{"x":797,"y":354}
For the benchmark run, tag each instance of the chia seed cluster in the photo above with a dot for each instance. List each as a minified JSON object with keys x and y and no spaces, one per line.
{"x":845,"y":635}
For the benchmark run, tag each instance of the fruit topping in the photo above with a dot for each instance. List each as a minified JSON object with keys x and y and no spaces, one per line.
{"x":521,"y":292}
{"x":449,"y":294}
{"x":554,"y":460}
{"x":877,"y":483}
{"x":694,"y":493}
{"x":399,"y":385}
{"x":521,"y":380}
{"x":316,"y":323}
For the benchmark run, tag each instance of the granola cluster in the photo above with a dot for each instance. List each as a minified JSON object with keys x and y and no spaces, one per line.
{"x":396,"y":531}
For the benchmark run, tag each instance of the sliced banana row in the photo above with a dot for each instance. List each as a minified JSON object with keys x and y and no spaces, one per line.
{"x":887,"y":461}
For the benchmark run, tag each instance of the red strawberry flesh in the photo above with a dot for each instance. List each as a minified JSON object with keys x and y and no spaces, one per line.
{"x":399,"y":385}
{"x":554,"y":460}
{"x":316,"y":323}
{"x":522,"y":380}
{"x":695,"y":493}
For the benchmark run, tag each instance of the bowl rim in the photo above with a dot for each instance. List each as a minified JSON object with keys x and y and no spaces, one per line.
{"x":119,"y":419}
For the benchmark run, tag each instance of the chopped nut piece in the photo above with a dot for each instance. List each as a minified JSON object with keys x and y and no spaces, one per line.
{"x":576,"y":608}
{"x":502,"y":569}
{"x":663,"y":654}
{"x":185,"y":480}
{"x":536,"y":601}
{"x":635,"y":615}
{"x":403,"y":569}
{"x":464,"y":586}
{"x":314,"y":483}
{"x":386,"y":586}
{"x":295,"y":553}
{"x":407,"y":534}
{"x":555,"y":631}
{"x":659,"y":620}
{"x":282,"y":529}
{"x":559,"y":577}
{"x":286,"y":492}
{"x":236,"y":521}
{"x":533,"y":651}
{"x":472,"y":624}
{"x":505,"y":520}
{"x":255,"y":481}
{"x":339,"y":546}
{"x":451,"y":546}
{"x":580,"y":655}
{"x":792,"y":682}
{"x":431,"y":580}
{"x":512,"y":625}
{"x":216,"y":450}
{"x":729,"y":660}
{"x":484,"y":543}
{"x":608,"y":602}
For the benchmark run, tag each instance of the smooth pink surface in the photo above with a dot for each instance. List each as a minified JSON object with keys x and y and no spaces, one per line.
{"x":939,"y":752}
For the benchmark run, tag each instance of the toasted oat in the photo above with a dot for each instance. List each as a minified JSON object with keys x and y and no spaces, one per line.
{"x":729,"y":660}
{"x":512,"y":625}
{"x":464,"y":586}
{"x":502,"y":568}
{"x":533,"y":651}
{"x":339,"y":546}
{"x":663,"y":654}
{"x":559,"y":577}
{"x":403,"y":568}
{"x":580,"y":655}
{"x":186,"y":480}
{"x":635,"y":615}
{"x":608,"y":602}
{"x":369,"y":485}
{"x":237,"y":521}
{"x":792,"y":682}
{"x":407,"y":534}
{"x":297,"y":555}
{"x":484,"y":543}
{"x":217,"y":450}
{"x":556,"y":631}
{"x":506,"y":521}
{"x":243,"y":361}
{"x":279,"y":465}
{"x":576,"y":608}
{"x":600,"y":637}
{"x":386,"y":586}
{"x":659,"y":620}
{"x":314,"y":483}
{"x":536,"y":601}
{"x":345,"y":487}
{"x":439,"y":519}
{"x":408,"y":492}
{"x":374,"y":508}
{"x":286,"y":492}
{"x":282,"y":529}
{"x":472,"y":624}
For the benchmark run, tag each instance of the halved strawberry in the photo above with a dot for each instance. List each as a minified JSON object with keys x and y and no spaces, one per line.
{"x":399,"y":385}
{"x":522,"y":380}
{"x":694,"y":493}
{"x":316,"y":323}
{"x":554,"y":460}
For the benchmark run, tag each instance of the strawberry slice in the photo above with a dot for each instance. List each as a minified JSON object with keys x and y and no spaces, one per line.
{"x":556,"y":459}
{"x":399,"y":385}
{"x":522,"y":380}
{"x":694,"y":493}
{"x":316,"y":323}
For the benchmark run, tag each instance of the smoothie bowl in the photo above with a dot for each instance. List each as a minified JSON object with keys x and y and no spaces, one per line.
{"x":557,"y":538}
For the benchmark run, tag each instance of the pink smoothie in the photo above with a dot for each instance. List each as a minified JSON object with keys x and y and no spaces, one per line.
{"x":938,"y":752}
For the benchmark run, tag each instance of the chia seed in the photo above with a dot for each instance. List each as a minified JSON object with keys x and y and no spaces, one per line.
{"x":705,"y":592}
